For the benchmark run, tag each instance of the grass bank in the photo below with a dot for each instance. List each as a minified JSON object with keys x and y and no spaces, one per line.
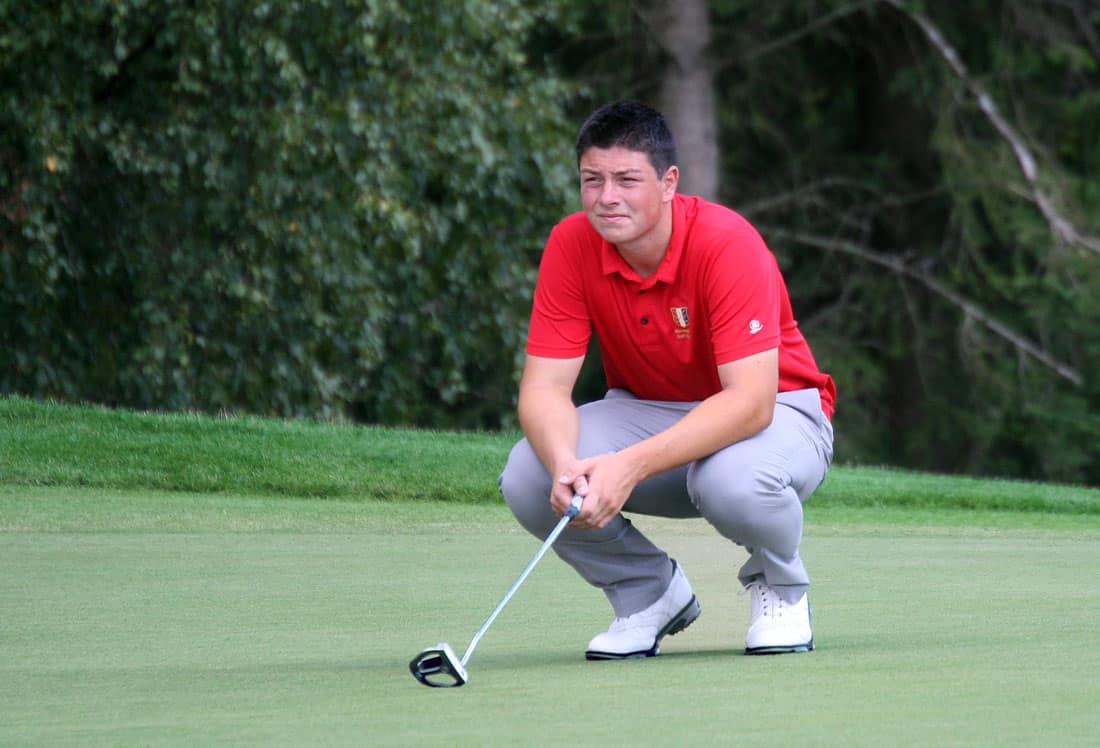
{"x":49,"y":444}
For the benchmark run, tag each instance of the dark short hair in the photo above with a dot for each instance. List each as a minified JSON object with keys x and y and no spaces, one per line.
{"x":631,"y":125}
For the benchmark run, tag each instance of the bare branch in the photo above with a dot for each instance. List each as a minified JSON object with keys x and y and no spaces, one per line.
{"x":818,"y":23}
{"x":969,"y":308}
{"x":1063,"y":229}
{"x":808,"y":192}
{"x":811,"y":193}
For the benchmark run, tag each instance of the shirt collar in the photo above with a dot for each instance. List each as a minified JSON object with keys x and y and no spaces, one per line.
{"x":612,"y":262}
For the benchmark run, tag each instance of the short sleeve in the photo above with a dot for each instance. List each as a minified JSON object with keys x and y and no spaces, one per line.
{"x":743,"y":292}
{"x":560,"y":324}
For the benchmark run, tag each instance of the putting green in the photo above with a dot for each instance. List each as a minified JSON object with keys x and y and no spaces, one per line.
{"x":176,"y":619}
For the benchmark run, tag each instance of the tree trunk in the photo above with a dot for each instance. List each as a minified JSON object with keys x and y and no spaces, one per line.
{"x":681,"y":29}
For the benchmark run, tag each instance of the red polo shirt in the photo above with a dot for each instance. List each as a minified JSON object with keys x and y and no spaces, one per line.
{"x":717,"y":296}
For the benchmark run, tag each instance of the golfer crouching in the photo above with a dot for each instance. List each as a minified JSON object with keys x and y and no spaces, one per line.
{"x":716,"y":407}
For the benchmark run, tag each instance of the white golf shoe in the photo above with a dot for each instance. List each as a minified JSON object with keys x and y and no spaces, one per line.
{"x":777,"y":626}
{"x":640,"y":635}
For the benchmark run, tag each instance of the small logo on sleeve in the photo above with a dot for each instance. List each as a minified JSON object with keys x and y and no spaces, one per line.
{"x":755,"y":326}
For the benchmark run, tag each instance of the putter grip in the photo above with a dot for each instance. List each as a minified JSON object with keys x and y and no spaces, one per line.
{"x":574,"y":506}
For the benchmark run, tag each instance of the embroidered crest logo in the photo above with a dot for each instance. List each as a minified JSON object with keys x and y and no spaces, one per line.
{"x":755,"y":326}
{"x":683,"y":322}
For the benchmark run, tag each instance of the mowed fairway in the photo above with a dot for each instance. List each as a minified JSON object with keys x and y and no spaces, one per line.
{"x":131,"y":618}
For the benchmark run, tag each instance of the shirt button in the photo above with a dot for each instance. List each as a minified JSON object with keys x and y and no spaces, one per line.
{"x":645,"y":320}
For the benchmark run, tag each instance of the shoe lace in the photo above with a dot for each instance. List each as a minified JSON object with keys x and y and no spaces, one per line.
{"x":640,"y":619}
{"x":765,"y":601}
{"x":628,"y":622}
{"x":619,"y":624}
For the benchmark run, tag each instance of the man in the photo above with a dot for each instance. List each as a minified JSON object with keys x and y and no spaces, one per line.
{"x":716,"y":407}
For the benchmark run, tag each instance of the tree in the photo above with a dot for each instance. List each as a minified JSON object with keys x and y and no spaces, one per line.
{"x":864,"y":144}
{"x":336,"y":207}
{"x":686,"y":94}
{"x":320,"y":208}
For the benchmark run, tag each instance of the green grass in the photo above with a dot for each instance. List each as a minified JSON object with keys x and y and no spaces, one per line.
{"x":177,"y":619}
{"x":48,"y":444}
{"x":185,"y":580}
{"x":60,"y":445}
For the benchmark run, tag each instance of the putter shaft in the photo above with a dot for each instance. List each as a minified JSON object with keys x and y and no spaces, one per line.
{"x":574,"y":507}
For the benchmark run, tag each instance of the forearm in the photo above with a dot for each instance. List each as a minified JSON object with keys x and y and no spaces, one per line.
{"x":742,"y":408}
{"x":722,"y":419}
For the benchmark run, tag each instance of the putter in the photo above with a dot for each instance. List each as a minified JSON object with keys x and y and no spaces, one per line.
{"x":439,"y":666}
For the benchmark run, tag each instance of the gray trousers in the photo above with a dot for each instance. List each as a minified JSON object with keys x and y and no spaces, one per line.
{"x":751,"y":492}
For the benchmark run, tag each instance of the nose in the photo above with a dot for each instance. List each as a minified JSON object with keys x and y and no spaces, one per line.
{"x":609,"y":195}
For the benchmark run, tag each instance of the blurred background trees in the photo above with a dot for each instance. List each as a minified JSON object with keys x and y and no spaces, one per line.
{"x":294,"y":208}
{"x":335,"y":209}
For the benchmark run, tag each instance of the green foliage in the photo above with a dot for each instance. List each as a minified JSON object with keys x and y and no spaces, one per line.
{"x":334,"y":208}
{"x":1000,"y":250}
{"x":860,"y":131}
{"x":266,"y":206}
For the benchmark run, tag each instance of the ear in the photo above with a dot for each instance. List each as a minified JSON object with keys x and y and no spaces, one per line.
{"x":669,"y":183}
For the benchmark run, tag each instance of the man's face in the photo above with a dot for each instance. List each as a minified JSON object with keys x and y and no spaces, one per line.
{"x":623,"y":196}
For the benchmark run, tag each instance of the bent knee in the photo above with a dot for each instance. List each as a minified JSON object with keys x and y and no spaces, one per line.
{"x":525,"y":485}
{"x":739,"y":496}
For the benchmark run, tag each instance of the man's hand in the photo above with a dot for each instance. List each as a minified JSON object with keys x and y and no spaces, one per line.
{"x":562,"y":491}
{"x":605,"y":481}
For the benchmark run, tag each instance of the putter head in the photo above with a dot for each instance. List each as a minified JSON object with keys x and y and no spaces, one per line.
{"x":438,"y":667}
